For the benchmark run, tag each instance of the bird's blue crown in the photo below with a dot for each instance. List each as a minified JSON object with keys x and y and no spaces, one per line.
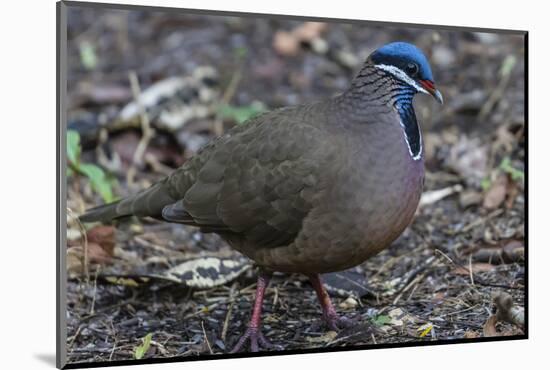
{"x":400,"y":55}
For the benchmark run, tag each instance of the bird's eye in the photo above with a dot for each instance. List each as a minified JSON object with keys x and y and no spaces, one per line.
{"x":412,"y":69}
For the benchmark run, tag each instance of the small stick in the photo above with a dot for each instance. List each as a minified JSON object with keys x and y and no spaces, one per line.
{"x":471,"y":271}
{"x":430,"y":197}
{"x":275,"y":296}
{"x":95,"y":289}
{"x":505,"y":73}
{"x":84,"y":237}
{"x":115,"y":340}
{"x":206,"y":338}
{"x":227,"y":95}
{"x":412,"y":291}
{"x":445,"y":256}
{"x":229,"y":310}
{"x":70,"y":346}
{"x":416,"y":280}
{"x":147,"y":132}
{"x":152,"y":161}
{"x":113,"y":350}
{"x":459,"y":311}
{"x":479,"y":221}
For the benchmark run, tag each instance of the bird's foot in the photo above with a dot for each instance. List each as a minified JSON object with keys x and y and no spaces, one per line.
{"x":257,"y":339}
{"x":330,"y":317}
{"x":253,"y":332}
{"x":336,"y":322}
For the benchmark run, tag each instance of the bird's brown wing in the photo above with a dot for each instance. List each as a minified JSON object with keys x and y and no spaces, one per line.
{"x":258,"y":182}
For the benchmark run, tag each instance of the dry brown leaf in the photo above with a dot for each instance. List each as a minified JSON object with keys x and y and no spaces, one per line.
{"x":513,"y":251}
{"x":505,"y":138}
{"x":438,"y":297}
{"x":512,"y":193}
{"x":489,"y":329}
{"x":102,"y":94}
{"x":75,"y":258}
{"x":432,"y":142}
{"x":96,"y":254}
{"x":286,"y":44}
{"x":100,"y":244}
{"x":309,"y":31}
{"x":104,"y":237}
{"x":468,"y":157}
{"x":476,"y":267}
{"x":125,"y":144}
{"x":350,"y":302}
{"x":496,"y":194}
{"x":400,"y":317}
{"x":470,"y":198}
{"x":74,"y":261}
{"x":508,"y":251}
{"x":471,"y":334}
{"x":327,"y":337}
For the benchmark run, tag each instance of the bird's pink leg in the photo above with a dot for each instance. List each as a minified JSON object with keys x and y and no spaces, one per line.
{"x":330,"y":316}
{"x":254,"y":331}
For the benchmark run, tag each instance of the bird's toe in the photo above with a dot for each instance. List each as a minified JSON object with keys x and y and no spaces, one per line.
{"x":257,"y":341}
{"x":337,"y":323}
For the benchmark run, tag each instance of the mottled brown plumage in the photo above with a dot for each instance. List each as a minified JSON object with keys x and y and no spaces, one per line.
{"x":310,"y":189}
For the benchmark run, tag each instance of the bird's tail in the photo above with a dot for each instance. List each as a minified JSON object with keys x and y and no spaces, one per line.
{"x":148,"y":202}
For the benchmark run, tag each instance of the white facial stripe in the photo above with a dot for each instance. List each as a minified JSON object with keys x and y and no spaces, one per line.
{"x":398,"y":73}
{"x":419,"y":154}
{"x":401,"y":75}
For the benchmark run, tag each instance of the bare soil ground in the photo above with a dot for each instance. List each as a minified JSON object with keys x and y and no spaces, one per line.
{"x":436,"y":282}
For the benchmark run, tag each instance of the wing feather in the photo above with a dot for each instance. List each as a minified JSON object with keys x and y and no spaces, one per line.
{"x":256,"y":183}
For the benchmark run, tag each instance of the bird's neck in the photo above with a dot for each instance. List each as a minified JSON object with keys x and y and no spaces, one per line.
{"x":375,"y":91}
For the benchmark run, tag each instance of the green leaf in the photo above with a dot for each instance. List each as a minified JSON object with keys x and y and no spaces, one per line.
{"x":240,"y":52}
{"x":88,"y":57}
{"x":381,"y":320}
{"x":99,"y":181}
{"x":506,"y":166}
{"x":73,"y":147}
{"x":241,"y":114}
{"x":508,"y":65}
{"x":485,"y":184}
{"x":141,"y":350}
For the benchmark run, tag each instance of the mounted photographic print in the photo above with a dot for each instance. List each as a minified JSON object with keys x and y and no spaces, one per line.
{"x":235,"y":184}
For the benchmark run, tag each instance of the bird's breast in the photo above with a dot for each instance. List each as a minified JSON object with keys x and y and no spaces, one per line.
{"x":380,"y":193}
{"x":369,"y":196}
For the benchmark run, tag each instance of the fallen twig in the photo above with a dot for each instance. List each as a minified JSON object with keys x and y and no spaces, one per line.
{"x":480,"y":221}
{"x":229,"y":311}
{"x":505,"y":73}
{"x":226,"y":98}
{"x":95,"y":290}
{"x":430,"y":197}
{"x":206,"y":338}
{"x":84,"y":236}
{"x":147,"y":132}
{"x":471,"y":270}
